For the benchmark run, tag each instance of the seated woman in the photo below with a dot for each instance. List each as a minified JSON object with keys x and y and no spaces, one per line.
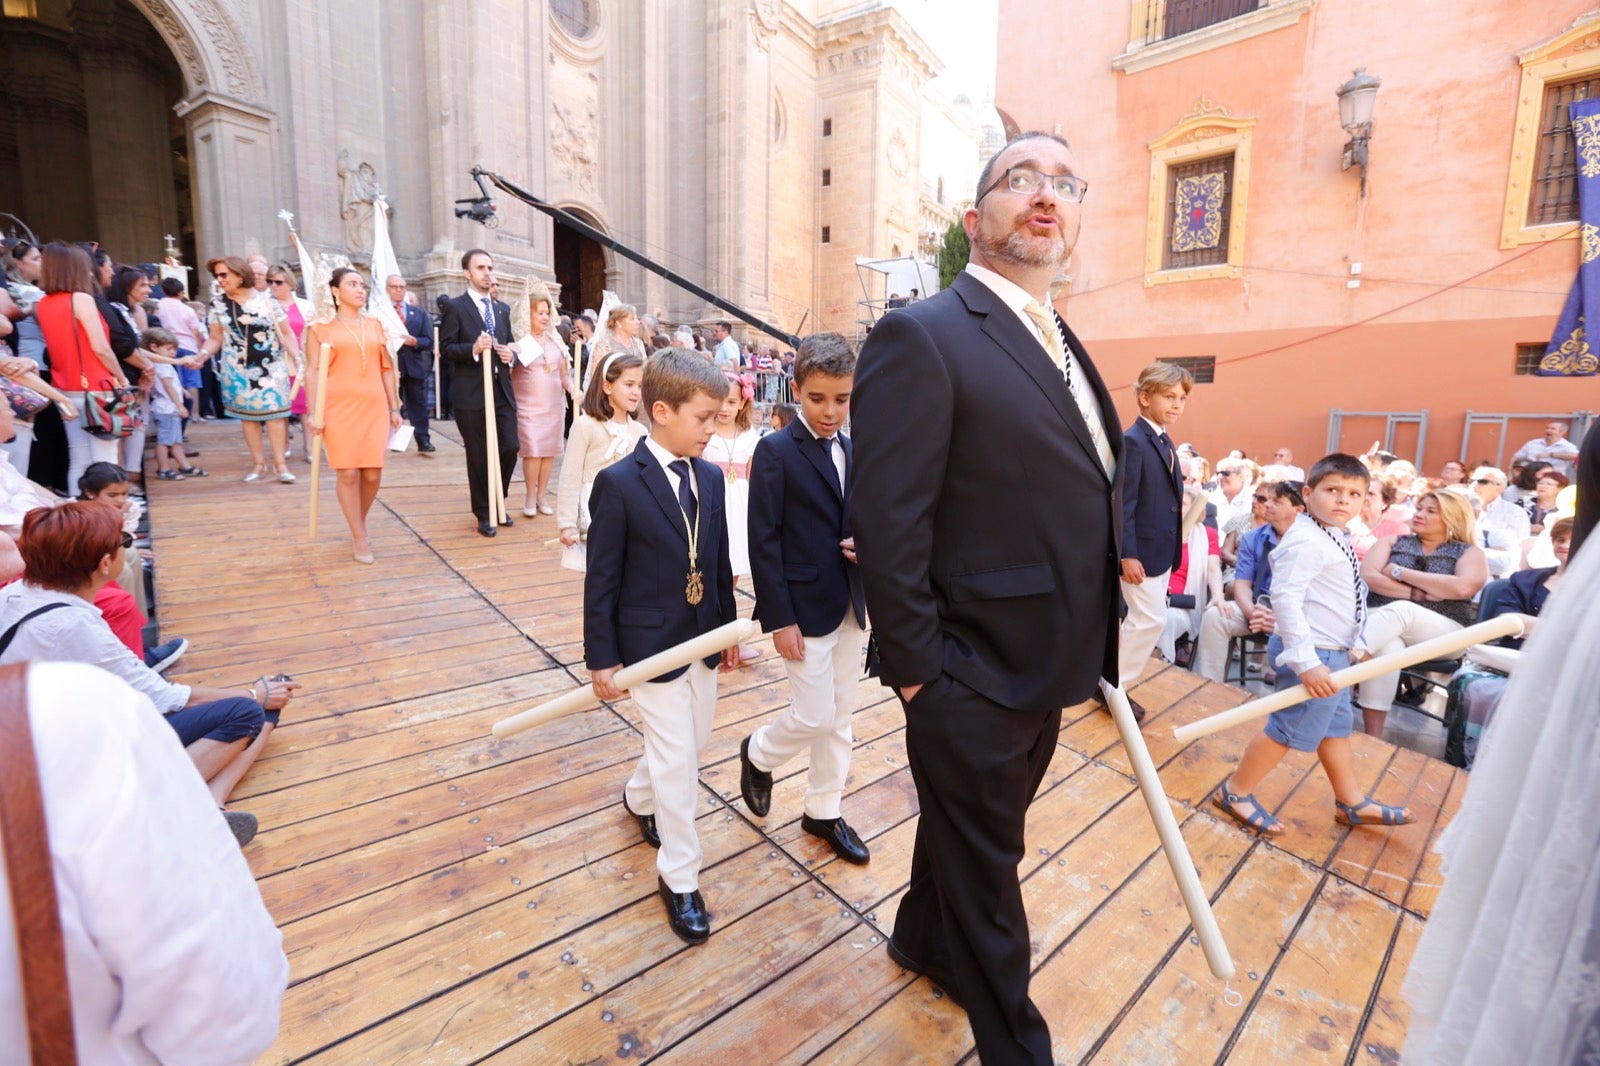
{"x":1234,"y":530}
{"x":1544,"y":502}
{"x":1476,"y":688}
{"x":122,"y":601}
{"x":69,"y":553}
{"x":1379,"y":516}
{"x":1421,"y":586}
{"x":1188,"y":596}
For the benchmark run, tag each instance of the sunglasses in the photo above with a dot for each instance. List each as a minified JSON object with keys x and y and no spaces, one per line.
{"x":276,"y":281}
{"x":219,"y":275}
{"x":127,"y":540}
{"x":1261,"y":499}
{"x":1484,"y":481}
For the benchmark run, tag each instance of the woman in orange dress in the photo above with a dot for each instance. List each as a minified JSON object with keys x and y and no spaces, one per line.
{"x":362,"y":406}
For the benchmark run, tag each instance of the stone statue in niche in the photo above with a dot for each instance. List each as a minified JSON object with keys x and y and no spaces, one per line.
{"x":572,"y":142}
{"x":358,"y":188}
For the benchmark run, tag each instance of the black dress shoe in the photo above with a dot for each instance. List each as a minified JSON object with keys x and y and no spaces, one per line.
{"x":506,"y":521}
{"x":1133,"y":705}
{"x":686,"y":913}
{"x":906,"y":962}
{"x":486,"y":529}
{"x":425,"y":447}
{"x":840,"y":837}
{"x":647,"y":825}
{"x":754,"y":785}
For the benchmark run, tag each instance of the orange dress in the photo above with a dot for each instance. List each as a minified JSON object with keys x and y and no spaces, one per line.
{"x":356,"y":419}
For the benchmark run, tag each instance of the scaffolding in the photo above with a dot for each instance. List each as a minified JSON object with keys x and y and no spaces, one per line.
{"x":1392,"y":423}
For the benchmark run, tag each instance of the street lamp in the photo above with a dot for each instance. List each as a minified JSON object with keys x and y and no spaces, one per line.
{"x":1356,"y":98}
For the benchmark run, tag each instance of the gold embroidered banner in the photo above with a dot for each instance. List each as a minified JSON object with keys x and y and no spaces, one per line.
{"x":1570,"y":353}
{"x":1197,"y":212}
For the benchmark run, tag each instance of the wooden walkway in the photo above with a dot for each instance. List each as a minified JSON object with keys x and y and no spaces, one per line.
{"x":445,"y":898}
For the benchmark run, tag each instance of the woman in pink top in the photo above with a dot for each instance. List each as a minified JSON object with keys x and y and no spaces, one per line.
{"x":297,"y":311}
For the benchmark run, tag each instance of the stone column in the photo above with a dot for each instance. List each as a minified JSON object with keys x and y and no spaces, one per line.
{"x":44,"y":92}
{"x":230,"y":155}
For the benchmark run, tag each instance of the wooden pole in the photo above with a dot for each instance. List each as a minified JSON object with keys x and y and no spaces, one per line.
{"x":491,"y":434}
{"x":324,"y":353}
{"x":438,"y":382}
{"x":1506,"y":625}
{"x":1172,"y":843}
{"x":577,"y":361}
{"x":717,"y":640}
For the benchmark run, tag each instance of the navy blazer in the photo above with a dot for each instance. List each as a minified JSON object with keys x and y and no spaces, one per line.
{"x":638,"y":564}
{"x":417,"y":362}
{"x":986,"y":526}
{"x":1152,"y":500}
{"x":459,"y":330}
{"x":798,"y":516}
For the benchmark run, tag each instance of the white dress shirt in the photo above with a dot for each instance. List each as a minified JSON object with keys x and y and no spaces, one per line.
{"x":666,"y":459}
{"x":1502,"y":527}
{"x":171,"y":955}
{"x":1316,"y":594}
{"x":836,"y":452}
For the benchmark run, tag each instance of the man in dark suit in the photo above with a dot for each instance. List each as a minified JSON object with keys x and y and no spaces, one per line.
{"x":987,"y":523}
{"x":477,"y":326}
{"x":416,"y":361}
{"x":1152,"y":516}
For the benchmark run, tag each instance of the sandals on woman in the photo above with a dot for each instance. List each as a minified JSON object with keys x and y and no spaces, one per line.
{"x":1346,"y":814}
{"x":1259,"y":818}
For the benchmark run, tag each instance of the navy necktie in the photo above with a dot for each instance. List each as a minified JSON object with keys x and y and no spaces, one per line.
{"x":488,"y":314}
{"x":686,"y":498}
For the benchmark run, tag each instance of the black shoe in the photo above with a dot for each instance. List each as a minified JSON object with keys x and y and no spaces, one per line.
{"x":486,"y":529}
{"x":647,"y":824}
{"x":506,"y":521}
{"x":840,"y":837}
{"x":1133,"y":705}
{"x":425,"y":447}
{"x":755,"y":785}
{"x":906,"y":962}
{"x":686,"y":913}
{"x":242,"y":824}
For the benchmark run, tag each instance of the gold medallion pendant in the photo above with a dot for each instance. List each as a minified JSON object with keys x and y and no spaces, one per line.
{"x":695,"y":590}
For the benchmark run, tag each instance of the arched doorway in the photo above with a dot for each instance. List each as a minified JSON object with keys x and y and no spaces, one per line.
{"x":88,"y":117}
{"x":580,"y":266}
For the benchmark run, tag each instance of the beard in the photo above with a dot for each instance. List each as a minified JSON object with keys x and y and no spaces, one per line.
{"x":1018,"y":247}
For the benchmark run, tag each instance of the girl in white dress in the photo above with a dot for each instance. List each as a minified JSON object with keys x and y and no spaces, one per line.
{"x":605,"y":432}
{"x":730,"y":450}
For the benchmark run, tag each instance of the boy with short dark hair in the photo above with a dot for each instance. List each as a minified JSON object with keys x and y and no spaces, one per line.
{"x":1152,"y":514}
{"x":808,"y":593}
{"x":659,"y":575}
{"x":1319,"y":603}
{"x":166,"y":408}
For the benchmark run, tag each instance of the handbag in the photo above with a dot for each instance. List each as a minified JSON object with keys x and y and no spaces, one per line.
{"x":41,"y":948}
{"x":25,"y":402}
{"x":110,"y":414}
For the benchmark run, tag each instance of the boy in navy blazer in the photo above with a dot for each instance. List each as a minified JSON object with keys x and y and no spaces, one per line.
{"x":659,"y":575}
{"x":808,"y":593}
{"x":1152,"y":515}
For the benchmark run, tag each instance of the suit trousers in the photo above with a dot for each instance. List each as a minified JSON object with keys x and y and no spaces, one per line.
{"x":822,"y":698}
{"x":1211,"y":648}
{"x":977,"y":766}
{"x":473,"y":433}
{"x":666,"y":783}
{"x":1141,"y":629}
{"x":414,"y":398}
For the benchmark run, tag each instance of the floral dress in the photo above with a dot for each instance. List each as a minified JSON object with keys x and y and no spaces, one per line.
{"x":252,"y":367}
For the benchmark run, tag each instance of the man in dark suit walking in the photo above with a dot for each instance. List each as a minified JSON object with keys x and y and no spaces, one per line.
{"x":987,"y":524}
{"x":477,"y":326}
{"x":416,"y":361}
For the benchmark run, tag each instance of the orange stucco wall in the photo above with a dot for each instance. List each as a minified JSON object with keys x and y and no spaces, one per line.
{"x":1441,"y":307}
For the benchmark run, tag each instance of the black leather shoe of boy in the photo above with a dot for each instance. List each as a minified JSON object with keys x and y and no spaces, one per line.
{"x":647,"y":824}
{"x":754,"y":785}
{"x":485,"y":529}
{"x":686,"y":913}
{"x":906,"y":962}
{"x":839,"y":836}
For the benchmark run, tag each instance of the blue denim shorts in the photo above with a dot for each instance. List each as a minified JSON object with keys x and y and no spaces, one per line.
{"x":1305,"y":725}
{"x":169,"y":428}
{"x":224,"y":720}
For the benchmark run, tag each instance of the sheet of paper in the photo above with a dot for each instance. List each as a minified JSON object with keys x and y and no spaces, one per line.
{"x":400,"y":439}
{"x":528,"y":350}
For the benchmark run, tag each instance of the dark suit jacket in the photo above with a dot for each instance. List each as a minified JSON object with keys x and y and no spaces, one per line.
{"x":798,"y":516}
{"x":633,"y":591}
{"x":418,"y":362}
{"x":1152,"y":501}
{"x":460,"y":328}
{"x":986,"y":526}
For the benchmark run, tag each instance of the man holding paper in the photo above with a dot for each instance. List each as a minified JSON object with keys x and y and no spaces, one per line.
{"x":476,"y":326}
{"x":416,"y":361}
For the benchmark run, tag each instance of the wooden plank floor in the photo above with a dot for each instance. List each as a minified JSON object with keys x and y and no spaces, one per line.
{"x":446,"y":898}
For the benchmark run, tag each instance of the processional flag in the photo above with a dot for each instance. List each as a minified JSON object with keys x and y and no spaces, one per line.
{"x":1570,"y":353}
{"x":384,"y":265}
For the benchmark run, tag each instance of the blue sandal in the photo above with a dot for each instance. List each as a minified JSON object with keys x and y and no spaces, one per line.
{"x":1259,"y":819}
{"x":1345,"y":814}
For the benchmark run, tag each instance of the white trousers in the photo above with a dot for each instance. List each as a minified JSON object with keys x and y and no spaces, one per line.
{"x":84,"y":448}
{"x":1141,"y":629}
{"x":1211,"y":648}
{"x":677,"y":726}
{"x":1391,"y":628}
{"x":822,"y":697}
{"x":20,"y":449}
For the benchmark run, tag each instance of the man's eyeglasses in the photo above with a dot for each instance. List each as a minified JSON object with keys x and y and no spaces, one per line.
{"x":1026,"y":180}
{"x":1484,"y":481}
{"x":1227,"y":473}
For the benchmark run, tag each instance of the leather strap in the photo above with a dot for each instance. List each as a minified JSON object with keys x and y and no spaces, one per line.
{"x":40,"y":948}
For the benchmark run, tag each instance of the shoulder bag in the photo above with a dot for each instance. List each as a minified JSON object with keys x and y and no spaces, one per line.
{"x":110,"y":414}
{"x":41,"y":948}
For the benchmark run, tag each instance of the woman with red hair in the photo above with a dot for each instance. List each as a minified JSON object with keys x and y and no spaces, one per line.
{"x":69,"y":553}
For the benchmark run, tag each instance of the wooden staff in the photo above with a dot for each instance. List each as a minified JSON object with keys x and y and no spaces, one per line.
{"x":555,"y":542}
{"x":324,"y":353}
{"x":712,"y":643}
{"x":497,"y":502}
{"x":1177,"y":852}
{"x":1506,"y":625}
{"x":438,"y":382}
{"x":577,"y":362}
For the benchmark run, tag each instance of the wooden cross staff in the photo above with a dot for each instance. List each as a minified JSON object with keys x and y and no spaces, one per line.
{"x":319,"y":405}
{"x":1506,"y":625}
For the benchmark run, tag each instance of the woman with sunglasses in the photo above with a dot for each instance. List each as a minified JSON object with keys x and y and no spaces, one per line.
{"x":260,"y":356}
{"x":297,"y":310}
